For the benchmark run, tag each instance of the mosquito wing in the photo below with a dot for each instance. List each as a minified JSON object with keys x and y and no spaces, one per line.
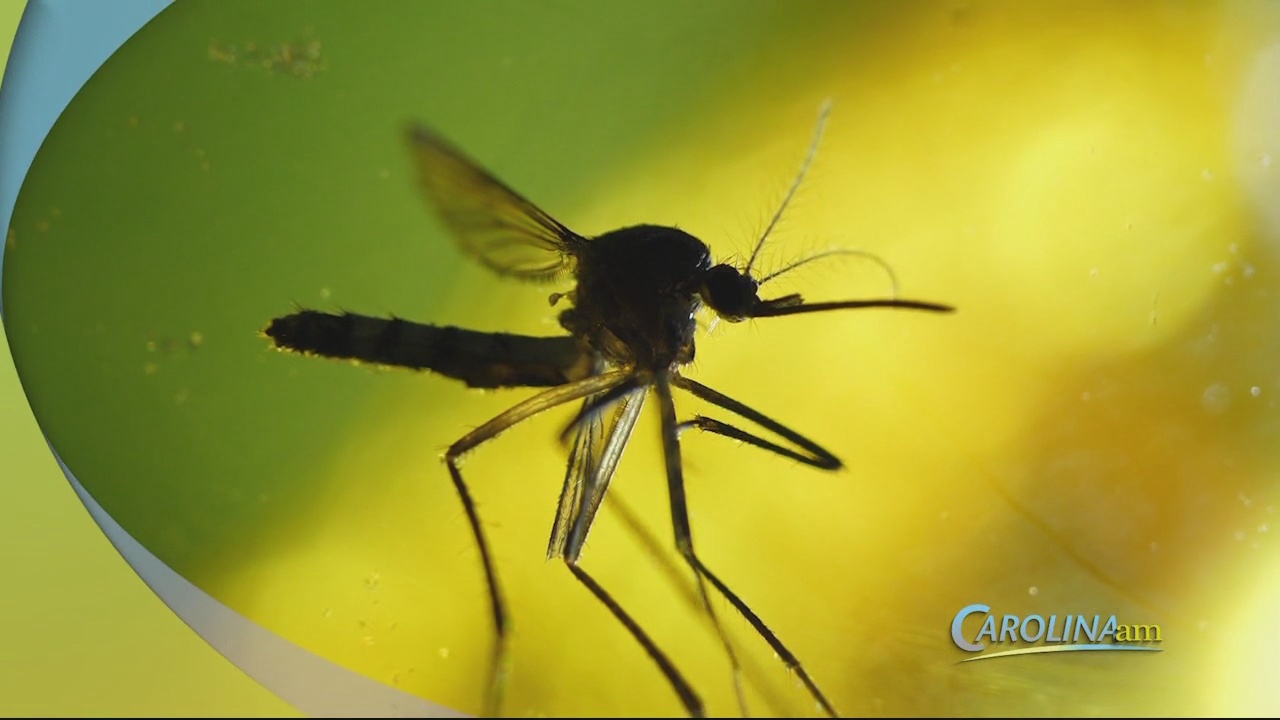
{"x":597,"y":448}
{"x":588,"y":444}
{"x":490,"y":221}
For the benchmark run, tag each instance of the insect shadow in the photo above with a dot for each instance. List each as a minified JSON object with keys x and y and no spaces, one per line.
{"x":630,"y":329}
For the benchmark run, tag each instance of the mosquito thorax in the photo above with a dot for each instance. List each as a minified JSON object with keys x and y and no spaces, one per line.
{"x":637,"y":294}
{"x":732,"y":294}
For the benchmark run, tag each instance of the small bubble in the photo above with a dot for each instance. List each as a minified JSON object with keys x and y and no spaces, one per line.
{"x":1154,"y":546}
{"x":1093,"y":272}
{"x":1263,"y":528}
{"x":1216,"y":398}
{"x":367,"y":640}
{"x":196,"y":339}
{"x":151,"y":346}
{"x":1266,"y":160}
{"x":1233,"y":248}
{"x":328,"y":613}
{"x":324,"y":293}
{"x":1220,"y":267}
{"x":1206,"y":174}
{"x":1245,"y":500}
{"x":1255,"y":391}
{"x":444,"y":653}
{"x":1248,"y":271}
{"x":1086,"y":396}
{"x":1239,"y":535}
{"x":150,"y":368}
{"x":1033,"y":591}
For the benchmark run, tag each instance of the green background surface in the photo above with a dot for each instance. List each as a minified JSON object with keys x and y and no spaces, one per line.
{"x":83,"y":634}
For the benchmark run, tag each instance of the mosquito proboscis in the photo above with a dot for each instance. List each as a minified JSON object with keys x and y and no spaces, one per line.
{"x":630,"y":330}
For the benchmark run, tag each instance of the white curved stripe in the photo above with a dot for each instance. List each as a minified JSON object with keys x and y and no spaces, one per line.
{"x":1041,"y":649}
{"x":310,"y":683}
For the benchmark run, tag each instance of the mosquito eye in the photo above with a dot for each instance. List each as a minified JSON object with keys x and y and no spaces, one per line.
{"x":730,"y":293}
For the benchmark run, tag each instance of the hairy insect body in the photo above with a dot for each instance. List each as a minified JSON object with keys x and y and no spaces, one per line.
{"x":630,"y":329}
{"x":637,"y":294}
{"x":479,"y":359}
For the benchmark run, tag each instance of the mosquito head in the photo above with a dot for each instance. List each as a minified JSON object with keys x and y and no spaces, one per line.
{"x":730,"y":293}
{"x":734,"y":294}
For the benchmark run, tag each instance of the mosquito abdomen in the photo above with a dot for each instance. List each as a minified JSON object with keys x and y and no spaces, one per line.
{"x":479,"y":359}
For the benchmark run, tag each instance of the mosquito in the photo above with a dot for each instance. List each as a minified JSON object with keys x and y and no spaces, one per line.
{"x":630,"y":323}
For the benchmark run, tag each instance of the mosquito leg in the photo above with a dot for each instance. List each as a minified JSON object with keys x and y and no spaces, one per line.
{"x":817,"y":455}
{"x":675,"y":478}
{"x":656,"y":549}
{"x":684,"y":534}
{"x":678,"y":577}
{"x":717,"y":427}
{"x":520,"y":412}
{"x":592,"y":463}
{"x":688,"y":697}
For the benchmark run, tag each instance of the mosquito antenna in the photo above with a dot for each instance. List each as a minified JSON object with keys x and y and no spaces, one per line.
{"x":793,"y":305}
{"x":893,"y":278}
{"x":804,"y":168}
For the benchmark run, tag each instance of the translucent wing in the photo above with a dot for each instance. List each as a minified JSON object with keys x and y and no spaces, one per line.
{"x":588,"y":445}
{"x":597,"y":448}
{"x":490,"y":221}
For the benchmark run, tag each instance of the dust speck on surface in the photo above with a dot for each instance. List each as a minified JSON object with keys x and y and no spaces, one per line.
{"x":301,"y":59}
